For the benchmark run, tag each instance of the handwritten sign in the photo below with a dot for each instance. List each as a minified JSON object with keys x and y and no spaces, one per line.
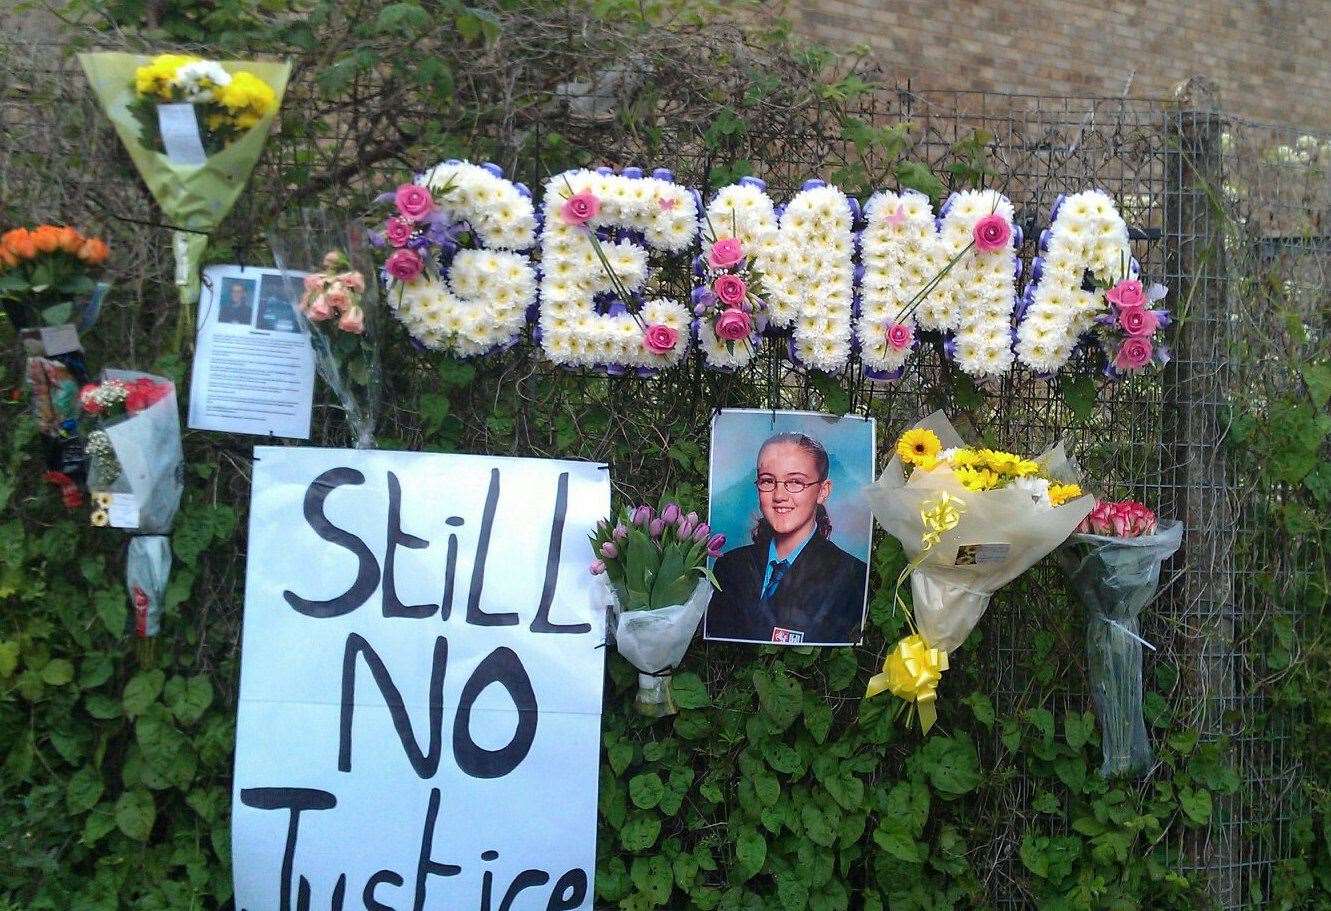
{"x":420,"y":699}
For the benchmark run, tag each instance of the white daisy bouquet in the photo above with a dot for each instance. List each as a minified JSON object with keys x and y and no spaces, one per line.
{"x":597,"y":228}
{"x":454,"y":270}
{"x":969,"y":520}
{"x":1115,"y":313}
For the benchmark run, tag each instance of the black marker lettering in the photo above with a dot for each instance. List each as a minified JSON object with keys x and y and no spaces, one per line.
{"x":367,"y":896}
{"x":393,"y":606}
{"x":367,"y":576}
{"x":296,"y":800}
{"x":426,"y":866}
{"x":475,"y":615}
{"x":575,"y":879}
{"x":501,"y":666}
{"x":450,"y":571}
{"x":425,"y":764}
{"x":525,"y":880}
{"x":542,"y":622}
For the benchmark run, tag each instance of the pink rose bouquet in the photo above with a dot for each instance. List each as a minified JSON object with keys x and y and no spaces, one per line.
{"x":728,"y":299}
{"x":1129,"y":331}
{"x":1113,"y":561}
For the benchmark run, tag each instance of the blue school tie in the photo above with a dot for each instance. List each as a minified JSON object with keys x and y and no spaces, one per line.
{"x":779,"y":568}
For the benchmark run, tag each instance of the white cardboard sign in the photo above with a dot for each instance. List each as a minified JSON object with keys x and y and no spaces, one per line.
{"x":420,"y":697}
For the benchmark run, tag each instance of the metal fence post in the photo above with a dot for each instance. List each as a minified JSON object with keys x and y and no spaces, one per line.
{"x":1201,"y":612}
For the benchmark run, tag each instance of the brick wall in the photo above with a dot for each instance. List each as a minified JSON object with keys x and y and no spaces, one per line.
{"x":1270,"y":58}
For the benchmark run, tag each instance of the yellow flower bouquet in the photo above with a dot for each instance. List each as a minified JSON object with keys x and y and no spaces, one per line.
{"x":227,"y":101}
{"x":970,"y":520}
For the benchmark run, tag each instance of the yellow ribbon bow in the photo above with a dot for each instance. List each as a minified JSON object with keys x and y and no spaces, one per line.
{"x":912,"y":671}
{"x":940,"y":515}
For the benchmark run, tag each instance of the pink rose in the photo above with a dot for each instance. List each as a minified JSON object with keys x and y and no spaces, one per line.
{"x":1127,"y":293}
{"x":338,"y":299}
{"x":1130,"y":519}
{"x":725,"y":253}
{"x":991,"y":233}
{"x":353,"y":280}
{"x":1138,"y":321}
{"x":731,"y":289}
{"x":660,"y":339}
{"x":580,"y":208}
{"x":413,"y":201}
{"x":404,"y":265}
{"x":733,"y":325}
{"x":900,"y":336}
{"x":1135,"y":354}
{"x":319,"y":309}
{"x":1097,"y":520}
{"x":314,"y":283}
{"x":353,"y":321}
{"x":398,"y":231}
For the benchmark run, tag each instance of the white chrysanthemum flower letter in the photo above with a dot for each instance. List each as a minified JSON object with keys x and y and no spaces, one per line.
{"x":1086,"y":233}
{"x":599,"y":219}
{"x":981,"y":289}
{"x":901,"y":255}
{"x":478,"y":299}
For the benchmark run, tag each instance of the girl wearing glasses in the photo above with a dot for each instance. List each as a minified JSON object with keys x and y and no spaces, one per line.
{"x":792,"y":584}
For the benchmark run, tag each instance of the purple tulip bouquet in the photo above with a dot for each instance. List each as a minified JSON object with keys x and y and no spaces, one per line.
{"x":656,"y":588}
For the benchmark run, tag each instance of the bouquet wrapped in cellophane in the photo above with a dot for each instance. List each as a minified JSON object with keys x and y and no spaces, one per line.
{"x":1113,"y":562}
{"x":656,"y":588}
{"x":194,"y":129}
{"x":338,"y":307}
{"x":135,"y":474}
{"x":970,"y":520}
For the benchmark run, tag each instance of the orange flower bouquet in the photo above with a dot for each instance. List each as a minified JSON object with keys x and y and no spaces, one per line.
{"x":45,"y":270}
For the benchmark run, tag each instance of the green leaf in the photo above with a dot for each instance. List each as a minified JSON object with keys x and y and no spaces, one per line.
{"x":57,"y":672}
{"x":1318,"y":379}
{"x":188,"y":697}
{"x":646,"y":790}
{"x":900,"y":845}
{"x":981,"y":707}
{"x":135,"y":814}
{"x":640,"y":832}
{"x":654,"y":877}
{"x":142,"y":691}
{"x":1043,"y":721}
{"x":952,"y":764}
{"x":1078,"y":392}
{"x":915,"y":175}
{"x":620,"y":755}
{"x":405,"y":19}
{"x":689,"y":691}
{"x":779,"y":695}
{"x":750,"y":853}
{"x":1196,"y":804}
{"x":1077,"y":728}
{"x":84,"y":790}
{"x":836,"y":398}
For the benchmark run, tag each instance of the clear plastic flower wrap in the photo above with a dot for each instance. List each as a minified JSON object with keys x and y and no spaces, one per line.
{"x":138,"y":484}
{"x":654,"y":641}
{"x":963,"y":544}
{"x":332,"y":259}
{"x":1116,"y":577}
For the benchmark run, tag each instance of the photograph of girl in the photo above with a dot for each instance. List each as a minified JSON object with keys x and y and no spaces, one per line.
{"x":785,"y":491}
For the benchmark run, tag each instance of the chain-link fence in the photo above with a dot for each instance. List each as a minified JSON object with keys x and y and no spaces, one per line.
{"x":1217,"y":208}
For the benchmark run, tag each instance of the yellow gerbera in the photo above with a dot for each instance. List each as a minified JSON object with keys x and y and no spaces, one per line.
{"x":919,"y":447}
{"x":976,"y":478}
{"x":1061,"y":493}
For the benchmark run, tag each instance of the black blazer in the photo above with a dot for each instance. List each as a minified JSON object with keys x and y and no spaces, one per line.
{"x":821,"y":595}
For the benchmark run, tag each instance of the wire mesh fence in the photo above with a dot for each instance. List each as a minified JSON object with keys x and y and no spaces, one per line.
{"x":1217,"y":207}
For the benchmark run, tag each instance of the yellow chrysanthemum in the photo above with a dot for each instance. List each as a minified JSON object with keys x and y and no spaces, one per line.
{"x":1025,"y":468}
{"x":965,"y":458}
{"x":919,"y":447}
{"x":157,"y":76}
{"x":247,"y":97}
{"x":976,"y":478}
{"x":998,"y":461}
{"x":1061,"y":493}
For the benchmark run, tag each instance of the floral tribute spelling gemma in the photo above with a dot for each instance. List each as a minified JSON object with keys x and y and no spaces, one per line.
{"x":657,"y":585}
{"x":1116,"y":315}
{"x":43,"y":270}
{"x":453,"y":269}
{"x":226,"y":104}
{"x":970,"y":520}
{"x":1113,"y":563}
{"x":598,"y":229}
{"x":729,"y":312}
